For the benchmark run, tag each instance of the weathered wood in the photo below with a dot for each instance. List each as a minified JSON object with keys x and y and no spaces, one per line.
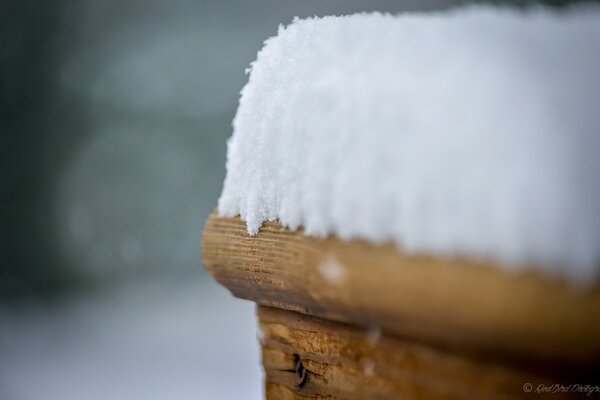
{"x":345,"y":362}
{"x":456,"y":303}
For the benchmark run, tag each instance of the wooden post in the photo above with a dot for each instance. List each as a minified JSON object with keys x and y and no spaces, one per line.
{"x":368,"y":322}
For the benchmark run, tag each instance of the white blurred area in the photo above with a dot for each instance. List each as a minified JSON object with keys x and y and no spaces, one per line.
{"x":155,"y":339}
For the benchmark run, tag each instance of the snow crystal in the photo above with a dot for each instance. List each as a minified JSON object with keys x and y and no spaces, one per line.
{"x":368,"y":367}
{"x":260,"y":336}
{"x":373,"y":335}
{"x":332,"y":270}
{"x":474,"y":132}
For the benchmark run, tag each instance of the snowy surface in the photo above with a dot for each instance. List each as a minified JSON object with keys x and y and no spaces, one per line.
{"x":168,"y":338}
{"x":474,"y":132}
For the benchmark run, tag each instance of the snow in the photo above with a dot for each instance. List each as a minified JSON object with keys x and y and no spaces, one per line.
{"x":164,"y":337}
{"x":332,"y":270}
{"x":472,"y":133}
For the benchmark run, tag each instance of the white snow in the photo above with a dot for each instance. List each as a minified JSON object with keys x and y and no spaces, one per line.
{"x":332,"y":270}
{"x":474,"y":132}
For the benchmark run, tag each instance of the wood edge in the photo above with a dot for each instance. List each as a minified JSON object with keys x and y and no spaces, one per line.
{"x":450,"y":302}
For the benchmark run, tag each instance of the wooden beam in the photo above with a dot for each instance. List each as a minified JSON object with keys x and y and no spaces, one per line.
{"x":467,"y":305}
{"x":345,"y":362}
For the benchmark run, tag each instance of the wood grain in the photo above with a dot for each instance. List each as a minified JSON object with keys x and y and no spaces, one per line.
{"x":461,"y":304}
{"x":346,"y":362}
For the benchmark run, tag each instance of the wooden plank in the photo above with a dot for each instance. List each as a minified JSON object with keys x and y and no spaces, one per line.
{"x":345,"y":362}
{"x":463,"y":304}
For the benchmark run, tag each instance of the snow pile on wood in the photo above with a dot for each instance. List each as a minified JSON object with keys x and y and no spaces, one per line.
{"x":474,"y":132}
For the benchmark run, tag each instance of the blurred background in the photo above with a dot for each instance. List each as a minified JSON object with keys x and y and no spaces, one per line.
{"x":114,"y":117}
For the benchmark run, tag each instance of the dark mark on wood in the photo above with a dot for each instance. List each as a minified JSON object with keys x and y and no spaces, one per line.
{"x":301,"y":373}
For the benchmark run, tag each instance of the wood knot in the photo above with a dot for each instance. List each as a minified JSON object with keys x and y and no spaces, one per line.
{"x":301,"y":373}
